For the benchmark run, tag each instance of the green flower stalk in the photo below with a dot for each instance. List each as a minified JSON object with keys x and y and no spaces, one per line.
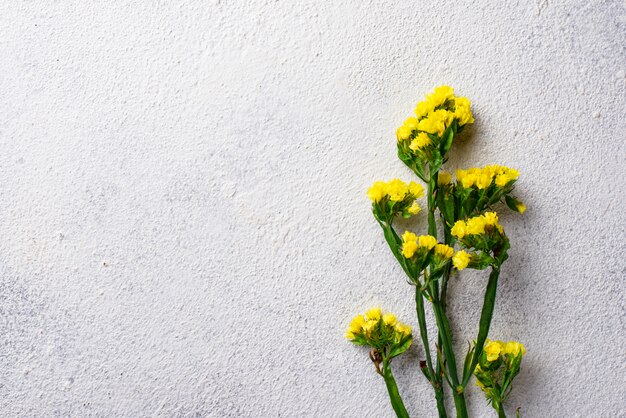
{"x":472,"y":238}
{"x":388,"y":338}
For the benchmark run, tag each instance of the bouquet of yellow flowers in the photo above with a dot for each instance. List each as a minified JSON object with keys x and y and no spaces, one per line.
{"x":472,"y":238}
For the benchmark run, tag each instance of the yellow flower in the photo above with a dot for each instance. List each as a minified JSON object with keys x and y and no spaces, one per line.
{"x":490,"y":218}
{"x":416,"y":190}
{"x":409,"y":248}
{"x":514,"y":348}
{"x":403,"y":133}
{"x":409,"y":236}
{"x":483,"y":180}
{"x":377,"y":191}
{"x":411,"y":123}
{"x":444,"y":251}
{"x":459,"y":229}
{"x":462,"y":111}
{"x":414,"y":208}
{"x":461,"y":260}
{"x":521,"y":208}
{"x":423,"y":108}
{"x":441,"y":94}
{"x":475,"y":225}
{"x":403,"y":328}
{"x":444,"y":178}
{"x":373,"y":314}
{"x":427,"y":241}
{"x":389,"y":319}
{"x":397,"y":190}
{"x":435,"y":122}
{"x":420,"y":141}
{"x":493,"y":349}
{"x":356,"y":325}
{"x":369,"y":327}
{"x":503,"y":179}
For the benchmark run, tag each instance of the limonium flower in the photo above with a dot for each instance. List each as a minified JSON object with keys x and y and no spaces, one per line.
{"x":394,"y":197}
{"x":482,"y":178}
{"x":499,"y":364}
{"x":476,"y":225}
{"x":420,"y":134}
{"x":380,"y":330}
{"x":461,"y":259}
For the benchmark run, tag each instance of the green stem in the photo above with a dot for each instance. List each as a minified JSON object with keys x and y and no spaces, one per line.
{"x":436,"y":380}
{"x":446,"y":339}
{"x":392,"y":388}
{"x":432,"y":188}
{"x":499,"y":409}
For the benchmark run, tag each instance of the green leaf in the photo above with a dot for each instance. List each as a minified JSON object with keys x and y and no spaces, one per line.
{"x":468,"y":360}
{"x":512,"y":203}
{"x":400,"y":348}
{"x":447,"y":137}
{"x":485,"y":320}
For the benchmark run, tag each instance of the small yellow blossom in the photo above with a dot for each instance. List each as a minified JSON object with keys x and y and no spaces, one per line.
{"x":459,"y":229}
{"x":444,"y":178}
{"x":462,"y":111}
{"x":493,"y":349}
{"x":461,"y":260}
{"x":403,"y":133}
{"x":403,"y":328}
{"x":411,"y":123}
{"x":417,"y":190}
{"x":389,"y":319}
{"x":420,"y":141}
{"x":514,"y":348}
{"x":396,"y":189}
{"x":409,"y":249}
{"x":409,"y":246}
{"x":475,"y":225}
{"x":444,"y":251}
{"x":414,"y":208}
{"x":521,"y":208}
{"x":427,"y":241}
{"x":377,"y":192}
{"x":373,"y":314}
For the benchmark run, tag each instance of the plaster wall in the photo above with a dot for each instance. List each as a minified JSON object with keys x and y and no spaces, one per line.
{"x":184,"y":229}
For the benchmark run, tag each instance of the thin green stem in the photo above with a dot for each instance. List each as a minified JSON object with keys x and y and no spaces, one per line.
{"x":435,"y":378}
{"x":392,"y":388}
{"x":501,"y":413}
{"x":432,"y":189}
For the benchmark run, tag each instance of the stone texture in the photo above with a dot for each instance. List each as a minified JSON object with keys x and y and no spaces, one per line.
{"x":182,"y":210}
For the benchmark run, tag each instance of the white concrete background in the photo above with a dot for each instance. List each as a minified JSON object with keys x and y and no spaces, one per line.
{"x":183,"y":223}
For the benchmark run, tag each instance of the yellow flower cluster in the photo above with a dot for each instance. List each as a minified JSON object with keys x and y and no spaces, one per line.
{"x":411,"y":243}
{"x":374,"y":326}
{"x":495,"y":349}
{"x":476,"y":225}
{"x":484,"y":177}
{"x":434,"y":115}
{"x":461,"y":260}
{"x":397,"y":191}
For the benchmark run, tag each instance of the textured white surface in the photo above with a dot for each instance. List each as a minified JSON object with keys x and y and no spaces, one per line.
{"x":184,"y":230}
